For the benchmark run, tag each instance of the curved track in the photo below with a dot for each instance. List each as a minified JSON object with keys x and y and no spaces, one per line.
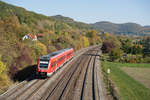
{"x":83,"y":71}
{"x":77,"y":81}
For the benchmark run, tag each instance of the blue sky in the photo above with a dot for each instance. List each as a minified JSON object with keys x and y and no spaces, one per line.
{"x":90,"y":11}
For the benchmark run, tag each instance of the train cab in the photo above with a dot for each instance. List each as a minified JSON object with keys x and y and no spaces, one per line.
{"x":49,"y":63}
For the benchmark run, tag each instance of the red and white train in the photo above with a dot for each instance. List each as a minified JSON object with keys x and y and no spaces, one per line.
{"x":51,"y":62}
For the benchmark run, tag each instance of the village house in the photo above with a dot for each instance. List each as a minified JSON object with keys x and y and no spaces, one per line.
{"x":30,"y":36}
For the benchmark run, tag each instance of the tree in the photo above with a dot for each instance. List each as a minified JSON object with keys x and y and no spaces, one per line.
{"x":111,"y":38}
{"x":107,"y":47}
{"x":126,"y":45}
{"x":2,"y":67}
{"x":85,"y":41}
{"x":146,"y":50}
{"x":115,"y":54}
{"x":91,"y":34}
{"x":40,"y":49}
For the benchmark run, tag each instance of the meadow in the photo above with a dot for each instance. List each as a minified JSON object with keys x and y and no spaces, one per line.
{"x":129,"y":87}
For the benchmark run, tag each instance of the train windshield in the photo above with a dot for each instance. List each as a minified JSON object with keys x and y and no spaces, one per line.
{"x":43,"y":63}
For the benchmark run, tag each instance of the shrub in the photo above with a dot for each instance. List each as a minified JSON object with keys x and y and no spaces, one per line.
{"x":40,"y":49}
{"x":107,"y":47}
{"x":115,"y":54}
{"x":134,"y":59}
{"x":146,"y":60}
{"x":2,"y":67}
{"x":4,"y":79}
{"x":51,"y":49}
{"x":85,"y":42}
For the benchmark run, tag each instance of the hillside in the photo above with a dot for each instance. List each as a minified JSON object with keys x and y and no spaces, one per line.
{"x":31,"y":18}
{"x":71,"y":22}
{"x":56,"y":32}
{"x":126,"y":28}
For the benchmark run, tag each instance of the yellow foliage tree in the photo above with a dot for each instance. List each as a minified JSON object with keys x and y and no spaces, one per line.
{"x":4,"y":79}
{"x":40,"y":49}
{"x":91,"y":34}
{"x":85,"y":41}
{"x":2,"y":67}
{"x":111,"y":38}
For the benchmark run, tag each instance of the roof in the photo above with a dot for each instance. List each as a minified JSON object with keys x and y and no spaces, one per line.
{"x":31,"y":36}
{"x":40,"y":35}
{"x":48,"y":56}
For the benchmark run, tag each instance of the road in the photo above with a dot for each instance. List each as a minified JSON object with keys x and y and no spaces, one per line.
{"x":79,"y":79}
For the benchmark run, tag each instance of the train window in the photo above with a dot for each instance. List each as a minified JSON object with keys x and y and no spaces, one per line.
{"x":43,"y":63}
{"x":52,"y":65}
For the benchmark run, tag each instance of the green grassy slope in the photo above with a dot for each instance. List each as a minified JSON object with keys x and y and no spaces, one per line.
{"x":129,"y":88}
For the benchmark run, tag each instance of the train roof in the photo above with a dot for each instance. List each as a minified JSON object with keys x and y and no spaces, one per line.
{"x":48,"y":56}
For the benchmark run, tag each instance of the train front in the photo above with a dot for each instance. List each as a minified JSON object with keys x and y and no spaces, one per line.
{"x":43,"y":67}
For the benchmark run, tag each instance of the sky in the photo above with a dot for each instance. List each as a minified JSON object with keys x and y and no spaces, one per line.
{"x":91,"y":11}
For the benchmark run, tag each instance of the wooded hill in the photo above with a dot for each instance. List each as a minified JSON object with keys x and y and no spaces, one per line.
{"x":125,"y":28}
{"x":55,"y":23}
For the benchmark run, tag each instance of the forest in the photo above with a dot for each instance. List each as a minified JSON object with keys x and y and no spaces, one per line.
{"x":126,"y":49}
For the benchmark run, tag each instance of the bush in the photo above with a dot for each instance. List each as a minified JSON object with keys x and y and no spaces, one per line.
{"x":4,"y":79}
{"x":2,"y":67}
{"x":115,"y":54}
{"x":51,"y":49}
{"x":134,"y":59}
{"x":40,"y":49}
{"x":85,"y":42}
{"x":146,"y":60}
{"x":107,"y":47}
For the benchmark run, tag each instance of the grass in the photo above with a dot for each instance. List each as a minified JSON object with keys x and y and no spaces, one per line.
{"x":140,"y":74}
{"x":129,"y":88}
{"x":141,"y":65}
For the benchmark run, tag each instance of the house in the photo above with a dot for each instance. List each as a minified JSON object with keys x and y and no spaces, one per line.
{"x":30,"y":36}
{"x":40,"y":35}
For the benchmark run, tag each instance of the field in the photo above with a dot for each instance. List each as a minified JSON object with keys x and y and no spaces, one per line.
{"x":129,"y":86}
{"x":140,"y":74}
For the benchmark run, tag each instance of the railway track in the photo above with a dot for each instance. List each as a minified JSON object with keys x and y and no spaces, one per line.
{"x":63,"y":82}
{"x":32,"y":90}
{"x":63,"y":85}
{"x":89,"y":85}
{"x":65,"y":88}
{"x":77,"y":81}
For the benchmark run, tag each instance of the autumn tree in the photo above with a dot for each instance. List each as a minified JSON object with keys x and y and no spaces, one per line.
{"x":93,"y":37}
{"x":107,"y":47}
{"x":85,"y":41}
{"x":115,"y":54}
{"x":107,"y":37}
{"x":146,"y":50}
{"x":40,"y":49}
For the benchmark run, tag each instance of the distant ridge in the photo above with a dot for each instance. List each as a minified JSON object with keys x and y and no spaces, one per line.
{"x":125,"y":28}
{"x":60,"y":17}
